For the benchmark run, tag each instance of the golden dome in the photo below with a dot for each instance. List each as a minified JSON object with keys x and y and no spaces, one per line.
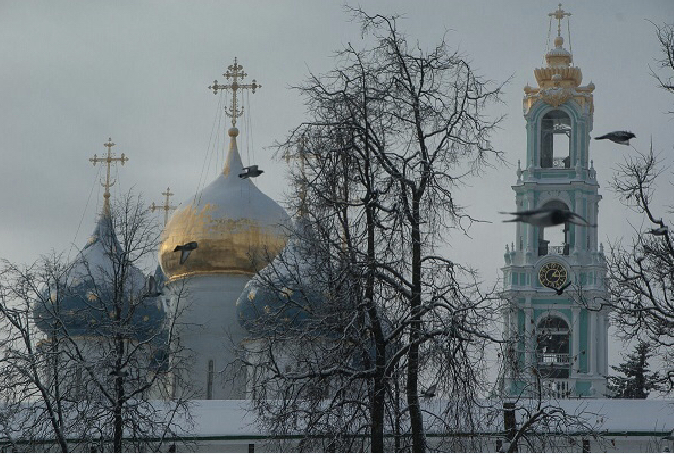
{"x":559,"y":70}
{"x":559,"y":81}
{"x":237,"y":228}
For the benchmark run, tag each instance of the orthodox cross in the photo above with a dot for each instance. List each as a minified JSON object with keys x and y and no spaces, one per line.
{"x":109,"y":159}
{"x":559,"y":15}
{"x":234,"y":72}
{"x":165,"y":207}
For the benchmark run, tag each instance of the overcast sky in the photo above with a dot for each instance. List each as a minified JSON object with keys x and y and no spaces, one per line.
{"x":74,"y":73}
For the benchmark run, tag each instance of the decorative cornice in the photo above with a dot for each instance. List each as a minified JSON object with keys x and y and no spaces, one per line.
{"x":556,"y":96}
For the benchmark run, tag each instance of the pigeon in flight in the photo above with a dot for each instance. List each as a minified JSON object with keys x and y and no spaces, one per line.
{"x":546,"y":217}
{"x":621,"y":137}
{"x":561,"y":289}
{"x":185,"y":250}
{"x":119,"y":373}
{"x":662,"y":231}
{"x":430,"y":392}
{"x":250,"y":172}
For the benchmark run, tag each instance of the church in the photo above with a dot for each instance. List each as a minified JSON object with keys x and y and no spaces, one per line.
{"x":214,"y":244}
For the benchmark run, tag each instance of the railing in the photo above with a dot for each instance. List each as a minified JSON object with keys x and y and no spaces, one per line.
{"x":557,"y":389}
{"x":553,"y":359}
{"x":560,"y":250}
{"x":545,"y":249}
{"x":560,"y":163}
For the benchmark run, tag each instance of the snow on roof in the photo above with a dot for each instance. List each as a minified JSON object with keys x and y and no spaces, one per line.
{"x":627,"y":415}
{"x":236,"y":419}
{"x":227,"y":418}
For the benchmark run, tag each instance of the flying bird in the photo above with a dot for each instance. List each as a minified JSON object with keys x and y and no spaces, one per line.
{"x":430,"y":392}
{"x":185,"y":250}
{"x":250,"y":172}
{"x":119,"y":373}
{"x":662,"y":231}
{"x":546,"y":217}
{"x":561,"y":289}
{"x":620,"y":137}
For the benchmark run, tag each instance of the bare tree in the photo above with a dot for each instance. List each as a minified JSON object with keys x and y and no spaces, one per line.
{"x":664,"y":73}
{"x":393,"y":131}
{"x":86,"y":344}
{"x":641,"y":274}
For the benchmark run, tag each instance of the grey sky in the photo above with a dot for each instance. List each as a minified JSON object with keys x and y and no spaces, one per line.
{"x":75,"y":73}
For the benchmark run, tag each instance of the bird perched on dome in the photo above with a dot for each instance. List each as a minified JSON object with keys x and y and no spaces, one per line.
{"x":547,"y":217}
{"x":250,"y":172}
{"x":619,"y":137}
{"x":185,"y":250}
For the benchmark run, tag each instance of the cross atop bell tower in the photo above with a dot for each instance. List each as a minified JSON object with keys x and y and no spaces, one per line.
{"x":235,"y":72}
{"x":559,"y":15}
{"x":108,"y":160}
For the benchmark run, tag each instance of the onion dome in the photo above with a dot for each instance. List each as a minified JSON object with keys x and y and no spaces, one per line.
{"x":559,"y":71}
{"x":283,"y":296}
{"x":559,"y":81}
{"x":84,"y":307}
{"x":236,"y":227}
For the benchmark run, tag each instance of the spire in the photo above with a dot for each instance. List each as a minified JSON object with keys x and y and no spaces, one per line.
{"x":109,"y":159}
{"x":559,"y":80}
{"x":234,"y":72}
{"x":559,"y":15}
{"x":166,"y":207}
{"x":559,"y":58}
{"x":233,"y":162}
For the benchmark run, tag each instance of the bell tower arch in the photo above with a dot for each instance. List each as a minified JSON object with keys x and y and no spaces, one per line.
{"x":553,"y":336}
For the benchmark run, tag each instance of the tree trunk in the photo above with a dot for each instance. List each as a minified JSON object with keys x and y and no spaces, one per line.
{"x":119,"y":393}
{"x":416,"y":417}
{"x":57,"y":424}
{"x":377,"y":410}
{"x":378,"y":402}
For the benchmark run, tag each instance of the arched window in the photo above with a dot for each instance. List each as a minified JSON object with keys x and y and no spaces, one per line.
{"x":552,"y":348}
{"x":556,"y":140}
{"x":555,"y":239}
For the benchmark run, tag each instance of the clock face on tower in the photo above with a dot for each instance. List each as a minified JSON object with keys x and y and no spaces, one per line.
{"x":553,"y":275}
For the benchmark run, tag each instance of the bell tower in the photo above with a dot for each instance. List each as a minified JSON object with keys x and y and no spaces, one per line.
{"x":558,"y":333}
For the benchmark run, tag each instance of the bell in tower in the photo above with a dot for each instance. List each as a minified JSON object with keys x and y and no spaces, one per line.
{"x":554,"y":276}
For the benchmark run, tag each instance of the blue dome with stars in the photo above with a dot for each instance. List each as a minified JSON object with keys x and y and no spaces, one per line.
{"x":84,"y":304}
{"x":283,"y":296}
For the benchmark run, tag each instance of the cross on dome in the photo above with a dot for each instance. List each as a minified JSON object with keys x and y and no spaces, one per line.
{"x":165,"y":207}
{"x":234,"y":72}
{"x":109,"y":159}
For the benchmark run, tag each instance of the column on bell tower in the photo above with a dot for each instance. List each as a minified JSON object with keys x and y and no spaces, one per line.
{"x":559,"y":336}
